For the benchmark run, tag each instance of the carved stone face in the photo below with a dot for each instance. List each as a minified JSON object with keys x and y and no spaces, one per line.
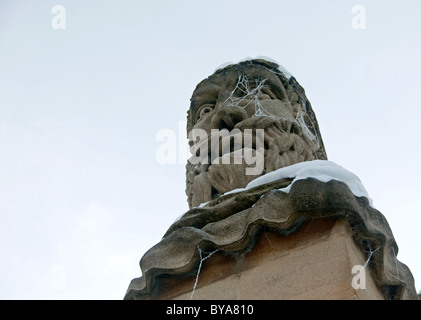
{"x":252,"y":95}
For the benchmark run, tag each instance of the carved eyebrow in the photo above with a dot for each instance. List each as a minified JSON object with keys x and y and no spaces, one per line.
{"x":266,"y":90}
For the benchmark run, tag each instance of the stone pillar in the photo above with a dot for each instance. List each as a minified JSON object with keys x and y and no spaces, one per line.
{"x":314,"y":263}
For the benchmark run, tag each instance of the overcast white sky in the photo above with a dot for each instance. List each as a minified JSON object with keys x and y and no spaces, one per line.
{"x":82,"y":196}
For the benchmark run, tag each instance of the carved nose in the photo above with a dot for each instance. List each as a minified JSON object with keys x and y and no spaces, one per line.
{"x":226,"y":117}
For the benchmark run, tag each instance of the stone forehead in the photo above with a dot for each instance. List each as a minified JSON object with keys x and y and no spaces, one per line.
{"x":226,"y":78}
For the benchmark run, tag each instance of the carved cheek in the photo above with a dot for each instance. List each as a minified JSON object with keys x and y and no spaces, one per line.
{"x":205,"y":123}
{"x":278,"y":108}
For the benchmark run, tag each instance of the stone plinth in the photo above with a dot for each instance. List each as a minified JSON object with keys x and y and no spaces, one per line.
{"x":320,"y":231}
{"x":313,"y":263}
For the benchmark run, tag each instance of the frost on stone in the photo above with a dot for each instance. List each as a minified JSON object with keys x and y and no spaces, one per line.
{"x":301,"y":122}
{"x":223,"y":65}
{"x":281,"y":69}
{"x":202,"y":259}
{"x":249,"y":94}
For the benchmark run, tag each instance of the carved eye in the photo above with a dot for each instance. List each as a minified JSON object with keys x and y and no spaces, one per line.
{"x":203,"y":111}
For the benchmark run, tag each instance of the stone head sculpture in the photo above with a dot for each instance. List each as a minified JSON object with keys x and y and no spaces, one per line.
{"x":246,"y":120}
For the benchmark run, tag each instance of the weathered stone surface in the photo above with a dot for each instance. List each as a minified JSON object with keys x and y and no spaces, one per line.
{"x":243,"y":215}
{"x":314,"y":263}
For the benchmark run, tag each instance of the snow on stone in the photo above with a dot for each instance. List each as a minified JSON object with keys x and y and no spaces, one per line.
{"x":322,"y":170}
{"x":222,"y":66}
{"x":180,"y":216}
{"x":203,"y":204}
{"x":281,"y":67}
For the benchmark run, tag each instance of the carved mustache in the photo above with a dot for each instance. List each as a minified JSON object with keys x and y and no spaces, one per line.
{"x":254,"y":133}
